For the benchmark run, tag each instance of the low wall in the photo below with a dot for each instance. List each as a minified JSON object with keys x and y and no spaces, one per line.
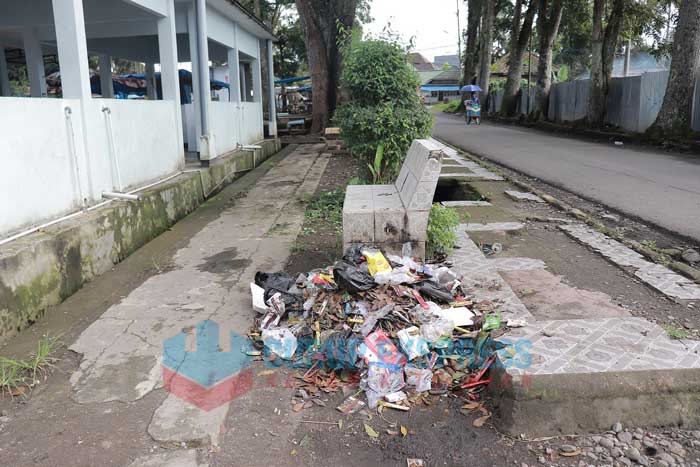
{"x":44,"y":268}
{"x":60,"y":154}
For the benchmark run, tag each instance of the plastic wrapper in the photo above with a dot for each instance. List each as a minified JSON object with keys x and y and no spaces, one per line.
{"x":383,"y":380}
{"x":412,"y":343}
{"x":280,"y":341}
{"x":378,"y":349}
{"x":376,"y":262}
{"x":276,"y":304}
{"x":444,"y":275}
{"x":350,"y":278}
{"x":427,"y":315}
{"x":491,"y":322}
{"x":372,"y":318}
{"x":394,"y":278}
{"x":433,"y":330}
{"x":419,"y":378}
{"x":435,"y":291}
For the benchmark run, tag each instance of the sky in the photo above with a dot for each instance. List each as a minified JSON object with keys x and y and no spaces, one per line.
{"x":432,"y":23}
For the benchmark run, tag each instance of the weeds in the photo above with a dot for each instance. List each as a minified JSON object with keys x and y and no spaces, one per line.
{"x":16,"y":375}
{"x":327,"y":206}
{"x":675,"y":332}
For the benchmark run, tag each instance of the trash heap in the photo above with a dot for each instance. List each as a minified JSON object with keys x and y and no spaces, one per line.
{"x":388,"y":324}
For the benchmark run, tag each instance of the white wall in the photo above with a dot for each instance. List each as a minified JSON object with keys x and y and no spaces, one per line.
{"x":37,"y":178}
{"x":226,"y":126}
{"x":252,"y":123}
{"x":247,"y":43}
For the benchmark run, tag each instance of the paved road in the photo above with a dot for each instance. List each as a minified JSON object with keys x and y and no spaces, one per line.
{"x":661,"y":188}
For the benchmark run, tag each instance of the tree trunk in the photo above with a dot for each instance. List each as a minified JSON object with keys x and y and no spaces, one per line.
{"x":547,"y":29}
{"x":321,"y":21}
{"x":520,"y":35}
{"x":675,"y":116}
{"x":603,"y":45}
{"x":471,"y":47}
{"x":486,"y":48}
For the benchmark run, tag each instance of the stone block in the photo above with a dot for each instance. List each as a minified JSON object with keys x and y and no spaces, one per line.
{"x":358,"y":226}
{"x":390,"y":225}
{"x":409,"y":189}
{"x":422,"y":198}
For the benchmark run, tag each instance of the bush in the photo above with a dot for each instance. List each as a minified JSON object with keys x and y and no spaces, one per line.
{"x":441,"y":230}
{"x":383,"y":105}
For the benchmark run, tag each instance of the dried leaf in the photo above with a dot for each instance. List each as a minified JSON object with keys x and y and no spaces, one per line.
{"x":266,"y":373}
{"x":471,"y":406}
{"x":298,"y":407}
{"x":304,"y":441}
{"x":370,"y":431}
{"x":404,"y":431}
{"x":340,"y":423}
{"x":577,"y":452}
{"x":479,"y":422}
{"x":392,"y":432}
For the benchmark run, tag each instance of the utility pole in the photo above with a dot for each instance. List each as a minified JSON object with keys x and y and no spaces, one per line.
{"x":529,"y":73}
{"x":459,"y":41}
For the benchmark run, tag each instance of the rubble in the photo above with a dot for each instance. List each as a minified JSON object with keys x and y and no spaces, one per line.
{"x":387,"y":326}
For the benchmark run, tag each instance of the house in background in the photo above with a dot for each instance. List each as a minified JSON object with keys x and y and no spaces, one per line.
{"x":63,"y":154}
{"x":443,"y":86}
{"x":419,"y":62}
{"x":452,"y":61}
{"x":640,"y":62}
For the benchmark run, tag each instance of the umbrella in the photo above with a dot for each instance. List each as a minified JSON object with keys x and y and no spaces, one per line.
{"x":471,"y":88}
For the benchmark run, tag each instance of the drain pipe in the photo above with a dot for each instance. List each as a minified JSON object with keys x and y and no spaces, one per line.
{"x":112,"y":147}
{"x":74,"y":154}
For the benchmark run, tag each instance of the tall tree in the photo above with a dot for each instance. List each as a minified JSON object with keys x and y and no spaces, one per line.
{"x":471,"y":44}
{"x":325,"y":22}
{"x":486,"y":49}
{"x":676,"y":111}
{"x":548,"y":20}
{"x":519,"y":37}
{"x":603,"y":46}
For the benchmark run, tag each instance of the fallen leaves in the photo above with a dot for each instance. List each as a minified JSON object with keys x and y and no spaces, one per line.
{"x":371,"y":432}
{"x":479,"y":422}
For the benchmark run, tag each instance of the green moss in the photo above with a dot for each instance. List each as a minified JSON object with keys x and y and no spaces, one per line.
{"x":25,"y":304}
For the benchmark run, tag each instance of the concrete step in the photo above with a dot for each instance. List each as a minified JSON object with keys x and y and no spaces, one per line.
{"x":577,"y":375}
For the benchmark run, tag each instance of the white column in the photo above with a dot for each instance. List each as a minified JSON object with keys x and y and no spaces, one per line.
{"x":257,"y":79}
{"x":271,"y":87}
{"x":169,"y":74}
{"x":207,"y":149}
{"x":106,"y":83}
{"x":5,"y":88}
{"x":193,"y":143}
{"x":72,"y":48}
{"x":234,"y":74}
{"x":35,"y":62}
{"x":244,"y":86}
{"x":151,"y":82}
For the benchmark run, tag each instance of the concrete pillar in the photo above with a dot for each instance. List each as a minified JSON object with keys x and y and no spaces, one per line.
{"x":106,"y":76}
{"x":257,"y":79}
{"x":628,"y":52}
{"x":193,"y":145}
{"x":207,"y":147}
{"x":35,"y":62}
{"x":234,"y":74}
{"x":271,"y":87}
{"x":72,"y":48}
{"x":5,"y":88}
{"x":169,"y":73}
{"x":151,"y":82}
{"x":244,"y":86}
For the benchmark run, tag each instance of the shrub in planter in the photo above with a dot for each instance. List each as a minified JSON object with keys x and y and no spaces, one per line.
{"x":383,"y":107}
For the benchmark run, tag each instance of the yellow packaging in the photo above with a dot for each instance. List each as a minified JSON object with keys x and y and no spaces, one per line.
{"x":376,"y":262}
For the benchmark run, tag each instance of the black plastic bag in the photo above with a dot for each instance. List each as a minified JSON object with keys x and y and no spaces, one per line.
{"x":350,"y":278}
{"x":435,"y":291}
{"x":274,"y":280}
{"x":353,"y":254}
{"x":292,"y":302}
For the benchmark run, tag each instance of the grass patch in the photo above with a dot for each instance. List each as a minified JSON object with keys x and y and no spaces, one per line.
{"x":675,"y":332}
{"x":18,"y":375}
{"x":448,"y":107}
{"x":326,"y":206}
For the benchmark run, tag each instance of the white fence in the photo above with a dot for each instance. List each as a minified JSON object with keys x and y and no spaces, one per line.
{"x":633,"y":101}
{"x":57,"y":154}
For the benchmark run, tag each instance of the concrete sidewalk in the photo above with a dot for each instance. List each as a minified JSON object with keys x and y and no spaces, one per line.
{"x":117,"y":392}
{"x":660,"y":188}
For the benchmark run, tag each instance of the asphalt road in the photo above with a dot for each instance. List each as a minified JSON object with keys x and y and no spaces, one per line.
{"x":658,"y":187}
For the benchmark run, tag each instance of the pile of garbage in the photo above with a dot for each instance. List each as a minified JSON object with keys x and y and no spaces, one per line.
{"x":387,"y":324}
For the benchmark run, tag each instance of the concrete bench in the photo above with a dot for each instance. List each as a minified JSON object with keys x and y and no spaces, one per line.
{"x":390,"y":215}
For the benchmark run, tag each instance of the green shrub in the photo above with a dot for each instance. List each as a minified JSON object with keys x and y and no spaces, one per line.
{"x":383,"y":106}
{"x":441,"y":230}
